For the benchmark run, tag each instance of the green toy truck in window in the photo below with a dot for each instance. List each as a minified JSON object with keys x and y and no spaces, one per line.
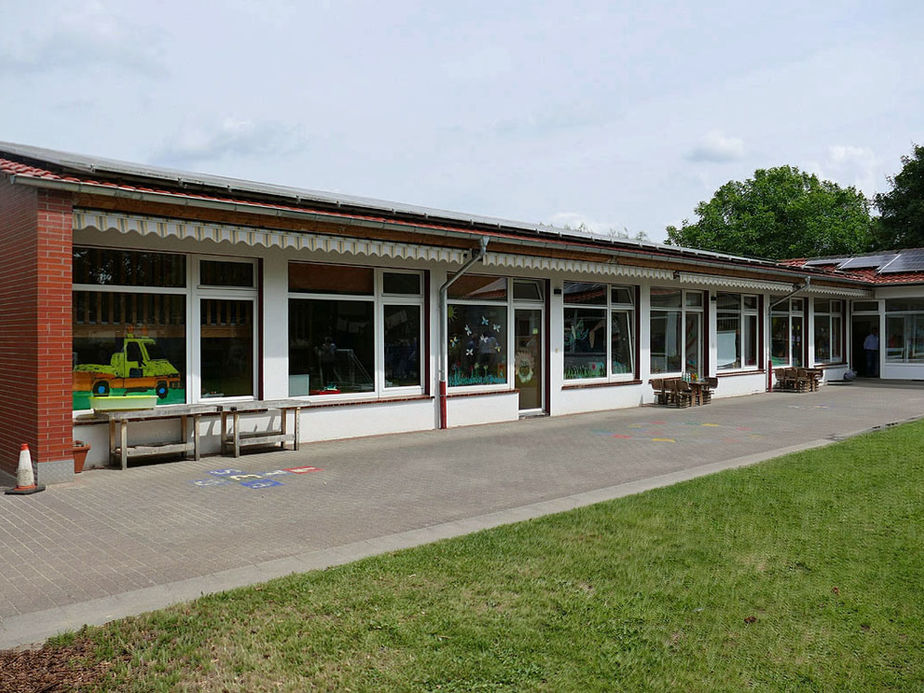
{"x":140,"y":366}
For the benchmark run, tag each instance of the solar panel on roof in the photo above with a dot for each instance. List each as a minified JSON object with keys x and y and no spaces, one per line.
{"x":825,"y":261}
{"x":867,"y":261}
{"x":907,"y":261}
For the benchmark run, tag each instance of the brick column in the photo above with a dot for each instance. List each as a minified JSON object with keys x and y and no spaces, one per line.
{"x":36,"y":231}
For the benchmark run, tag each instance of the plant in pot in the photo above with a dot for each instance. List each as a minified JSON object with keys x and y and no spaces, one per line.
{"x":80,"y":455}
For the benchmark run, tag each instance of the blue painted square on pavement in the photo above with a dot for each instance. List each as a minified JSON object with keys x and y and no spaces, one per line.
{"x":225,"y":472}
{"x":261,"y":483}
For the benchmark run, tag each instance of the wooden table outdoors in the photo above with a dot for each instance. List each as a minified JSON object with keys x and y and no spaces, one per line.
{"x":683,"y":393}
{"x":233,"y":438}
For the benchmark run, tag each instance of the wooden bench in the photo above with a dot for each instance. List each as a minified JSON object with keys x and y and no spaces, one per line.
{"x":233,"y":438}
{"x":120,"y":451}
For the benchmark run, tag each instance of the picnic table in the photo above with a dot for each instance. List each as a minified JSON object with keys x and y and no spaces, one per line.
{"x":798,"y":379}
{"x":678,"y":392}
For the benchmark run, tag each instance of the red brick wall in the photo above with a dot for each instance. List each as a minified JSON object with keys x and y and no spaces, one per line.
{"x":36,"y":230}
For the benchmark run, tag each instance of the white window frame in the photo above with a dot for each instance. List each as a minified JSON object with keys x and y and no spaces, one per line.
{"x":684,"y":308}
{"x":789,"y":313}
{"x":379,"y":299}
{"x":834,"y":336}
{"x":743,"y":312}
{"x":508,"y":304}
{"x":193,"y":294}
{"x":609,"y":308}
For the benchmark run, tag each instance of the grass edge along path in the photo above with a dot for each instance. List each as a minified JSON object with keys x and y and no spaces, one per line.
{"x":803,"y":572}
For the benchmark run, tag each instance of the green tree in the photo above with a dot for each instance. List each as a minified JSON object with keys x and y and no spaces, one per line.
{"x":901,"y":224}
{"x":779,"y":213}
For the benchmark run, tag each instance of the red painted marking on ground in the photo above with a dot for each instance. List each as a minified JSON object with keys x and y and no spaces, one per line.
{"x":303,"y":470}
{"x":658,"y":423}
{"x":619,"y":435}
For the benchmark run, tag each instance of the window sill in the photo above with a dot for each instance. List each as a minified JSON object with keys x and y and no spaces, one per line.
{"x":609,"y":383}
{"x":483,"y":393}
{"x":732,"y":374}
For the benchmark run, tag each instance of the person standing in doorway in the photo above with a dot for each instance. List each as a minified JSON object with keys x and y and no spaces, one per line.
{"x":871,"y":348}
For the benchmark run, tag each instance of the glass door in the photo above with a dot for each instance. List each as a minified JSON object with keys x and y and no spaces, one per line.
{"x":528,"y":358}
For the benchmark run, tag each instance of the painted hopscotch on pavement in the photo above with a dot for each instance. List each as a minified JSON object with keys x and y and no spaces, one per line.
{"x":253,"y":480}
{"x":683,"y":431}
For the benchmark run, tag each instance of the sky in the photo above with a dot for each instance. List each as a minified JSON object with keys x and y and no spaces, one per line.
{"x":618,"y":115}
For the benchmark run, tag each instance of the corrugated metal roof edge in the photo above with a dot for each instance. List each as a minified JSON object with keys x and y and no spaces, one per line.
{"x":97,"y":165}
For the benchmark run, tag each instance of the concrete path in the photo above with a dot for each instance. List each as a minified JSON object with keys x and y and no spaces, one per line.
{"x":113,"y":543}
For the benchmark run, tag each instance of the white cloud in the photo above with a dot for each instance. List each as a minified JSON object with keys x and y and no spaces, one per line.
{"x":78,"y":35}
{"x":209,"y":141}
{"x":716,"y":147}
{"x":848,"y":165}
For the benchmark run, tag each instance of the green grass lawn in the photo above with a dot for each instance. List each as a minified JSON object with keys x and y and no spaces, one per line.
{"x":806,"y":572}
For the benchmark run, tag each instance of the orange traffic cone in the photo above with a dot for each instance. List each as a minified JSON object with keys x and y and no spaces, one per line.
{"x":25,"y":476}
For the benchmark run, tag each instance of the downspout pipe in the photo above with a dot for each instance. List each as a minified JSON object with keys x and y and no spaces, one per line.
{"x":477,"y":255}
{"x":796,"y":289}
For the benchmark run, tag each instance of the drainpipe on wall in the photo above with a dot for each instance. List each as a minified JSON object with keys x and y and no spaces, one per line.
{"x":477,"y":254}
{"x":796,"y":289}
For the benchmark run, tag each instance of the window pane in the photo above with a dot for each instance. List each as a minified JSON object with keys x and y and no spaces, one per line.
{"x":216,"y":273}
{"x":866,"y":305}
{"x":130,"y":344}
{"x":693,"y":349}
{"x":105,"y":267}
{"x":666,"y":356}
{"x":798,"y":305}
{"x":728,"y":342}
{"x":402,"y":345}
{"x":750,"y":302}
{"x":750,"y":340}
{"x":400,"y":283}
{"x":624,"y":295}
{"x":527,"y":291}
{"x":331,"y":346}
{"x":895,"y":337}
{"x":779,"y":344}
{"x":728,"y":302}
{"x":623,"y":345}
{"x":695,"y":299}
{"x":822,"y":338}
{"x":665,"y":298}
{"x":897,"y":304}
{"x":226,"y":345}
{"x":312,"y":278}
{"x":836,"y":332}
{"x":479,"y":288}
{"x":797,"y":342}
{"x":585,"y":343}
{"x":585,"y":293}
{"x":477,"y":345}
{"x":822,"y":305}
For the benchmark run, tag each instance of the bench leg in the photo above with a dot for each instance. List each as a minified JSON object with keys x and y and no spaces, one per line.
{"x":196,"y":452}
{"x":298,"y":414}
{"x":124,"y":441}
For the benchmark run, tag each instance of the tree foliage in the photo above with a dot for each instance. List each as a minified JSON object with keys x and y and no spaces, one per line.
{"x":779,"y":213}
{"x":901,"y":224}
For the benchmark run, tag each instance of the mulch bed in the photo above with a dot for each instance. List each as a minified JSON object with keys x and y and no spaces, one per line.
{"x":50,"y":669}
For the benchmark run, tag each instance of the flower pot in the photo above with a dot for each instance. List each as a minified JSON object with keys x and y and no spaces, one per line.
{"x":80,"y":455}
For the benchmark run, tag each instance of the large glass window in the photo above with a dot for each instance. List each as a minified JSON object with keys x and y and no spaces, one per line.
{"x":828,"y":332}
{"x":786,"y":322}
{"x":676,"y":331}
{"x":128,"y":343}
{"x":135,"y":319}
{"x":599,"y":324}
{"x":905,"y":330}
{"x":335,"y":315}
{"x":736,"y":331}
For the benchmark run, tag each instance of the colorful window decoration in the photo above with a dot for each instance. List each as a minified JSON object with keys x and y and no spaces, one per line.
{"x":477,"y":344}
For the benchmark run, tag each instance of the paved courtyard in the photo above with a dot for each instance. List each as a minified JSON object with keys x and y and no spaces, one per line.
{"x":115,"y":543}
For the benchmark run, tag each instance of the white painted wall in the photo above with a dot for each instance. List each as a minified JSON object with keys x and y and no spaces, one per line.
{"x":481,"y":409}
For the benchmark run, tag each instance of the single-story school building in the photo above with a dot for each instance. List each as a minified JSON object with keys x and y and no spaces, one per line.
{"x":380,"y":317}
